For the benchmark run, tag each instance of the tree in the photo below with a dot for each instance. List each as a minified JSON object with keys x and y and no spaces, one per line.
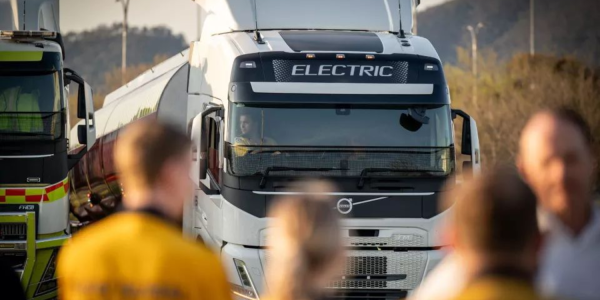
{"x":509,"y":93}
{"x":112,"y":81}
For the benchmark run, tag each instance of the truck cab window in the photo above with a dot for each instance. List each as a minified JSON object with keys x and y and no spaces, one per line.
{"x":214,"y":134}
{"x":30,"y":105}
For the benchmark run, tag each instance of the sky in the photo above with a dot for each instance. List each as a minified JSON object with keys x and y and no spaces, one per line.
{"x":179,"y":15}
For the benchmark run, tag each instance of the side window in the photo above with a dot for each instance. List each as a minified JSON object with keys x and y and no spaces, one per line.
{"x":213,"y":149}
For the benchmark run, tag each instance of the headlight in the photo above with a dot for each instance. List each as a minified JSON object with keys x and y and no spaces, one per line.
{"x":243,"y":292}
{"x":247,"y":290}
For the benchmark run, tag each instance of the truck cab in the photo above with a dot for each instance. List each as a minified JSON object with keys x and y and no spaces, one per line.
{"x":276,"y":91}
{"x":34,"y":131}
{"x":355,"y":99}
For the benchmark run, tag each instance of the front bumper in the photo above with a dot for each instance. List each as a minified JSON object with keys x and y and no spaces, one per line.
{"x":33,"y":259}
{"x":389,"y":265}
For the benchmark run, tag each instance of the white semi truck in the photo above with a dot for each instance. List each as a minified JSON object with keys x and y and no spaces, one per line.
{"x":34,"y":138}
{"x":279,"y":90}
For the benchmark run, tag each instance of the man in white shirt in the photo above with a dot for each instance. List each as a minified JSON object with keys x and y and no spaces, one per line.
{"x":556,"y":160}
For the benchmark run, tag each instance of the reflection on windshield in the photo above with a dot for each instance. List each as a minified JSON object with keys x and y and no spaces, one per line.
{"x":413,"y":162}
{"x":341,"y":141}
{"x":349,"y":126}
{"x":29,"y":104}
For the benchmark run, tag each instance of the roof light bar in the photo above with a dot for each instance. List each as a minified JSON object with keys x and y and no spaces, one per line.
{"x":27,"y":34}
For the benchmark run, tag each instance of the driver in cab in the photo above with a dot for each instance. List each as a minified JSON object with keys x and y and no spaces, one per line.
{"x":250,"y":136}
{"x":16,"y":100}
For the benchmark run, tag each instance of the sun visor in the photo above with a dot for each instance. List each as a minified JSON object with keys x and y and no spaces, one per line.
{"x":332,"y":41}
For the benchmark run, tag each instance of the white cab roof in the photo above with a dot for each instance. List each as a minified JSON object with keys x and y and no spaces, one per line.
{"x":221,"y":16}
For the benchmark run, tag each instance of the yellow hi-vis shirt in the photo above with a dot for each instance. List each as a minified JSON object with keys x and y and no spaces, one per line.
{"x":135,"y":255}
{"x":12,"y":100}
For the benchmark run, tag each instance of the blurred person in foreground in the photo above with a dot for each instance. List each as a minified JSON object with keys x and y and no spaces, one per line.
{"x":306,"y":245}
{"x":555,"y":158}
{"x":494,"y":229}
{"x":140,"y":253}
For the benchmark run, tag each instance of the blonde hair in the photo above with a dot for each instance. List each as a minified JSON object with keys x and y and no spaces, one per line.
{"x":144,"y":148}
{"x":306,"y":243}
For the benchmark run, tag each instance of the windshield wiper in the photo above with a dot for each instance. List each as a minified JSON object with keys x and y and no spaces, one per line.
{"x":265,"y":174}
{"x":365,"y":171}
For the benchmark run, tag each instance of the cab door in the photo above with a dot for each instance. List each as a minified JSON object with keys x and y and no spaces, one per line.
{"x":207,"y":137}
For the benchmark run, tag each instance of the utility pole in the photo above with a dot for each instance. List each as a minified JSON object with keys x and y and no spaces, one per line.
{"x":415,"y":24}
{"x":474,"y":31}
{"x":532,"y":27}
{"x":125,"y":4}
{"x":198,"y":22}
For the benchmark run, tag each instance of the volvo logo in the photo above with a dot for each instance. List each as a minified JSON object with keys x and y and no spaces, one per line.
{"x":344,"y":205}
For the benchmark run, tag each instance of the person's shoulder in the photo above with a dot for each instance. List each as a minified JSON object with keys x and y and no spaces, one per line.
{"x":91,"y":241}
{"x":495,"y":288}
{"x":104,"y":233}
{"x":97,"y":231}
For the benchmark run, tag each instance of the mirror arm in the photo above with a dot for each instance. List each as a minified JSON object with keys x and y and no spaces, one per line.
{"x":69,"y":74}
{"x":461,"y":113}
{"x":210,"y":110}
{"x":73,"y":159}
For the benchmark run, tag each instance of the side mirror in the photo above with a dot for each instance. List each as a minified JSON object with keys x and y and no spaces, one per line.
{"x":81,"y":102}
{"x":469,"y":140}
{"x":90,"y":120}
{"x":466,"y":147}
{"x":82,"y":134}
{"x":86,"y":134}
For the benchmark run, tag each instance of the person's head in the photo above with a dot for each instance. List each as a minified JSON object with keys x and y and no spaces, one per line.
{"x":306,"y":244}
{"x":494,"y":222}
{"x":555,"y":158}
{"x":247,"y":124}
{"x":154,"y":163}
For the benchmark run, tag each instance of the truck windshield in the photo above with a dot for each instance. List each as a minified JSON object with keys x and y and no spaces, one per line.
{"x":30,"y":106}
{"x":345,"y":140}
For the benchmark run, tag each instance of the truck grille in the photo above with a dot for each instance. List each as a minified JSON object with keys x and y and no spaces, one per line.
{"x":358,"y":284}
{"x":385,"y":268}
{"x":396,"y":240}
{"x":362,"y":263}
{"x":373,"y":265}
{"x":13,"y":231}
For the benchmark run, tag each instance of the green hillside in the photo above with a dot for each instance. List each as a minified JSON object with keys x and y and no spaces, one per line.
{"x":562,"y":27}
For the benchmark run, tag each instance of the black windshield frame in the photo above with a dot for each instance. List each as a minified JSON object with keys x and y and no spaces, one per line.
{"x":358,"y":128}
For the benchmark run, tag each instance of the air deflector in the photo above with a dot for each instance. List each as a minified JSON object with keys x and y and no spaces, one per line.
{"x":333,"y":41}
